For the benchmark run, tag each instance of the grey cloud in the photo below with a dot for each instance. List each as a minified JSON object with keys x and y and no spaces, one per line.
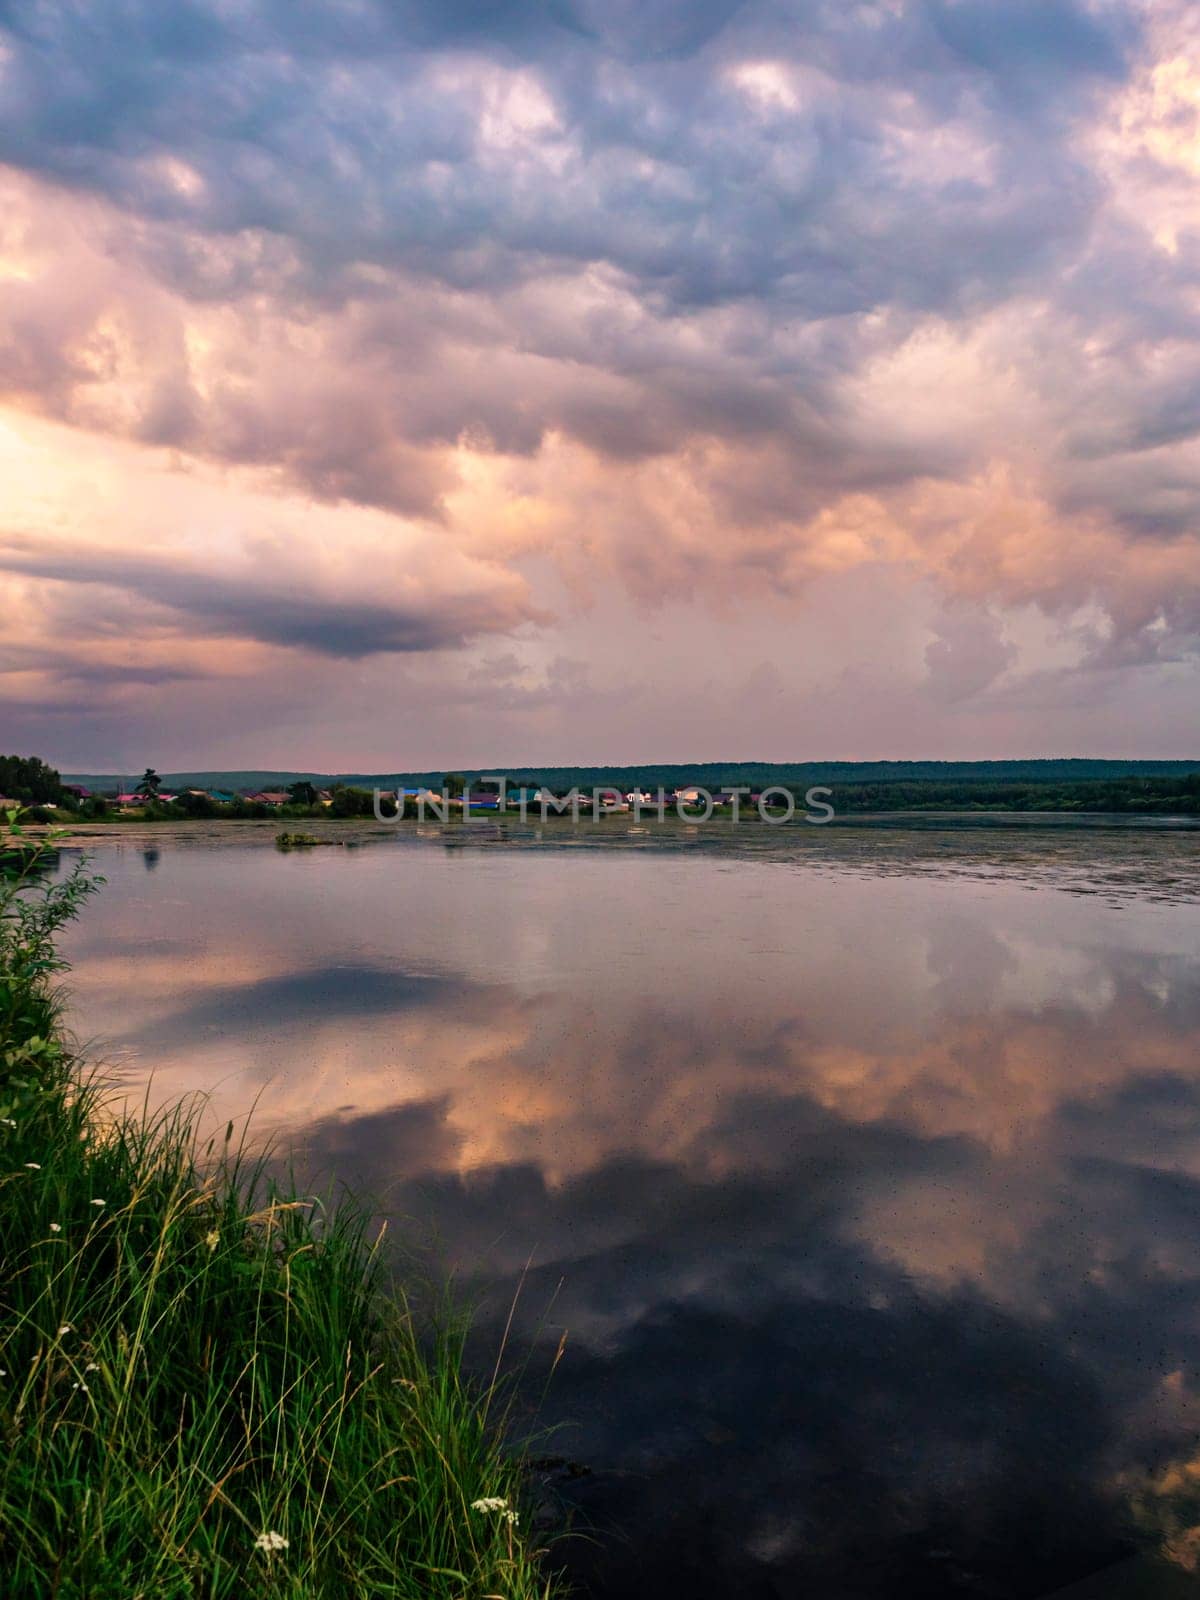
{"x":666,"y":173}
{"x":276,"y":613}
{"x":68,"y":672}
{"x":669,"y":174}
{"x":1151,"y":496}
{"x":772,"y":250}
{"x":969,"y":653}
{"x":1027,"y":46}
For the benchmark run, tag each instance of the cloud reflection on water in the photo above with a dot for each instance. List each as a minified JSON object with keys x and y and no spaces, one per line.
{"x":870,"y":1206}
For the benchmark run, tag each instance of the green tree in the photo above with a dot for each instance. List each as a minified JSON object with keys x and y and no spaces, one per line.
{"x":349,"y":802}
{"x":454,"y":783}
{"x":150,"y":785}
{"x":27,"y":779}
{"x":302,"y":793}
{"x":196,"y":805}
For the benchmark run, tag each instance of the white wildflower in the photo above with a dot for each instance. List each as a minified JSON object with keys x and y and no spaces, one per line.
{"x":82,"y":1387}
{"x":9,"y":1122}
{"x":99,"y":1202}
{"x":3,"y":1374}
{"x":56,"y":1227}
{"x":66,"y":1328}
{"x":495,"y":1502}
{"x":270,"y":1542}
{"x":92,"y":1366}
{"x":212,"y":1239}
{"x":34,"y":1166}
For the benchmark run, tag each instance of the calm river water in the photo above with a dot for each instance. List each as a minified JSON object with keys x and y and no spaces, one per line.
{"x":862,"y":1168}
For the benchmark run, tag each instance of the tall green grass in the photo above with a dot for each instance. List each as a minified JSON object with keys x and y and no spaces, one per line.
{"x":204,"y":1391}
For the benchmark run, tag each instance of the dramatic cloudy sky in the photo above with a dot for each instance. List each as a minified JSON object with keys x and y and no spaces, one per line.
{"x":423,"y":382}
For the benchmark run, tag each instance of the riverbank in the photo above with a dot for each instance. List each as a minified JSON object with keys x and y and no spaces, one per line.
{"x":203,"y":1389}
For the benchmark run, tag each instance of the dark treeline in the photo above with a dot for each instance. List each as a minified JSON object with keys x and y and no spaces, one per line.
{"x":802,"y":774}
{"x":712,"y":774}
{"x":44,"y":795}
{"x":1175,"y":795}
{"x":1065,"y":785}
{"x":29,"y":780}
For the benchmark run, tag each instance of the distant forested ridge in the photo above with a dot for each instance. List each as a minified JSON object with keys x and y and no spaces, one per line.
{"x":1165,"y":794}
{"x":1054,"y":784}
{"x":712,"y":774}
